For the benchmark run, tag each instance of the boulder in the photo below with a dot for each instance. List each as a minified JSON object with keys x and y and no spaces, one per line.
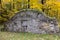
{"x":32,"y":21}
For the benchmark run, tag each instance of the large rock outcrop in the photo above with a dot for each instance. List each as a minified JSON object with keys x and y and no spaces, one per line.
{"x":32,"y":21}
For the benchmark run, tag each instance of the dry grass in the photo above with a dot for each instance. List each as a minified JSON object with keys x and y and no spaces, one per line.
{"x":27,"y":36}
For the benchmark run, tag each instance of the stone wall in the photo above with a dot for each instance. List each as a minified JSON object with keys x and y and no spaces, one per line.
{"x":32,"y":21}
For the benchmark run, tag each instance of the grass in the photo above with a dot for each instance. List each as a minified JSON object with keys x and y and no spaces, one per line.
{"x":27,"y":36}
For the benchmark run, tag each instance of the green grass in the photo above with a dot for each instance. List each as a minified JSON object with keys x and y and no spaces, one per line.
{"x":27,"y":36}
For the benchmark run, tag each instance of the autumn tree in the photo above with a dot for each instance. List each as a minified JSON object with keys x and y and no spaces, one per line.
{"x":43,"y":2}
{"x":10,"y":7}
{"x":52,"y":9}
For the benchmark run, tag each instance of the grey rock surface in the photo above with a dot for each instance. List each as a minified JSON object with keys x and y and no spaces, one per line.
{"x":32,"y":21}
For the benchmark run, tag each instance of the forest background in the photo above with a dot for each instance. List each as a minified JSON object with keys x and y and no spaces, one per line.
{"x":8,"y":8}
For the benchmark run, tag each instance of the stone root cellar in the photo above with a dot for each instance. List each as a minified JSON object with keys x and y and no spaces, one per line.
{"x":32,"y":21}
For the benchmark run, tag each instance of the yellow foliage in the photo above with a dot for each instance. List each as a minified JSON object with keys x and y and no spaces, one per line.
{"x":52,"y":8}
{"x":6,"y":1}
{"x":35,"y":4}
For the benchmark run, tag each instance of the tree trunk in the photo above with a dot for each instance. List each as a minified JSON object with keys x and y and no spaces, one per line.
{"x":43,"y":1}
{"x":28,"y":4}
